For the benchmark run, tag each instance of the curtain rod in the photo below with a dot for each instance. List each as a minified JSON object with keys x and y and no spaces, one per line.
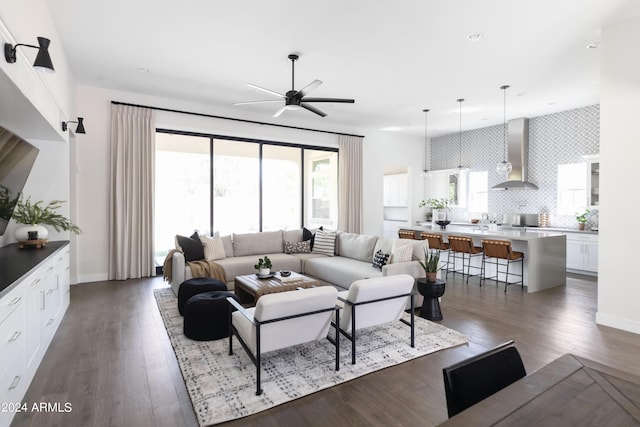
{"x":170,"y":110}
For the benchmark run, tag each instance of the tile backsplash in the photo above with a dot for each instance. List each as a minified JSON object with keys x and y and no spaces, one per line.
{"x":554,"y":139}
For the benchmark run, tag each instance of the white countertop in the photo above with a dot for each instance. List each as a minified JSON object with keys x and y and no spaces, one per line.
{"x":468,"y":225}
{"x":511,"y":234}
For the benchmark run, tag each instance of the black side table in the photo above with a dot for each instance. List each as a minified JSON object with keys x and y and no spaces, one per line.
{"x":431,"y":292}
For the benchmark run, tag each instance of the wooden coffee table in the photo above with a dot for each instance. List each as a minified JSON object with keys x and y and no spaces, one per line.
{"x":249,"y":288}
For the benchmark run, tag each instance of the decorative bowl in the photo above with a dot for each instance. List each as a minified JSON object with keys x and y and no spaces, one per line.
{"x":443,"y":223}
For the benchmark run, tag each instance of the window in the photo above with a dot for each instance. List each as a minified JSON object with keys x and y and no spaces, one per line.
{"x":479,"y":191}
{"x":572,"y":188}
{"x":210,"y":183}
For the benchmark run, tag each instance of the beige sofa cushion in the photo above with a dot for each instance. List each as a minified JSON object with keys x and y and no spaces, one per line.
{"x":267,"y":242}
{"x":292,"y":235}
{"x":356,"y":246}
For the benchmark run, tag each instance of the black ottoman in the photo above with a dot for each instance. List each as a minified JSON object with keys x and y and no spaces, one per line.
{"x":195,"y":286}
{"x":206,"y":316}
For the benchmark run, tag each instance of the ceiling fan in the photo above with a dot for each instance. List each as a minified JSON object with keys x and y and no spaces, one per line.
{"x":294,"y":99}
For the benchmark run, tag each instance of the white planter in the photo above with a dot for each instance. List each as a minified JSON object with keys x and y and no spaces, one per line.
{"x":264,"y":271}
{"x":22,"y":232}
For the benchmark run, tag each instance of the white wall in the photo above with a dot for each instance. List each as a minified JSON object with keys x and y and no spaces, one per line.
{"x":618,"y":290}
{"x":90,"y":183}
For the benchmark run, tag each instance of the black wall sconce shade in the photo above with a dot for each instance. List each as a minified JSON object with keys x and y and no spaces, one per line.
{"x":79,"y":128}
{"x":43,"y":60}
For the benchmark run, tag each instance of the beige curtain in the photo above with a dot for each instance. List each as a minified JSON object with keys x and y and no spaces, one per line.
{"x":350,"y":184}
{"x":131,"y":192}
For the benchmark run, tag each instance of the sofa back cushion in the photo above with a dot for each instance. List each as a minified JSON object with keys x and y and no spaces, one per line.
{"x":227,"y":244}
{"x":292,"y":235}
{"x":267,"y":242}
{"x":356,"y":246}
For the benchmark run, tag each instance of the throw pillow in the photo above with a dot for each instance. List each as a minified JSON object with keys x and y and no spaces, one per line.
{"x":297,"y":247}
{"x":380,"y":259}
{"x":308,"y":235}
{"x":401,"y":254}
{"x":213,"y":247}
{"x":324,"y":243}
{"x":191,"y":247}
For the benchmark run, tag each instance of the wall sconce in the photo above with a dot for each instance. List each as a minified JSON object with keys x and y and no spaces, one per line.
{"x":79,"y":128}
{"x":43,"y":60}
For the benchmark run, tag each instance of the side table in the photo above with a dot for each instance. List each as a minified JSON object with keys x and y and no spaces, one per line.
{"x":431,"y":292}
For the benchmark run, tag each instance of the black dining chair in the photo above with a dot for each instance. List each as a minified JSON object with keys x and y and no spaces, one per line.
{"x":472,"y":380}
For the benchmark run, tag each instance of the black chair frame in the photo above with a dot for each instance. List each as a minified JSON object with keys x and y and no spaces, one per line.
{"x":352,"y":336}
{"x":464,"y":256}
{"x":460,"y":399}
{"x":257,"y":359}
{"x":498,"y":264}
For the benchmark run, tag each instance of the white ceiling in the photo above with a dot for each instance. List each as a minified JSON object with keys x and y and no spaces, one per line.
{"x":394,"y":57}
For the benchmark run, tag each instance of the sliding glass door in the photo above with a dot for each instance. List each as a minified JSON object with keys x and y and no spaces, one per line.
{"x":281,"y":187}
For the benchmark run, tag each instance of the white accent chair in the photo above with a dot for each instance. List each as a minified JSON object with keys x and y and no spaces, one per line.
{"x":375,"y":301}
{"x":283,"y":320}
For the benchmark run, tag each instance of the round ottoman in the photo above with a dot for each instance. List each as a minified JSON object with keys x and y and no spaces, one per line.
{"x":195,"y":286}
{"x":206,"y":316}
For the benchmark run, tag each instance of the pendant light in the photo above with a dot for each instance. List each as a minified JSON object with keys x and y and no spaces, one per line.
{"x":427,"y":152}
{"x":460,"y":167}
{"x":504,"y":167}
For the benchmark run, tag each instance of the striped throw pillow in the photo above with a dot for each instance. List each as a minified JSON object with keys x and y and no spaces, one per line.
{"x":324,"y":243}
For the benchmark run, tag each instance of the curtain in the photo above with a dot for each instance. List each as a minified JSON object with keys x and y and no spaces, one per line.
{"x":350,"y":183}
{"x":131,"y":195}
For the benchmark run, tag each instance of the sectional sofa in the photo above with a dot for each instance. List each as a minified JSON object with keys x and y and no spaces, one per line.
{"x":352,"y":258}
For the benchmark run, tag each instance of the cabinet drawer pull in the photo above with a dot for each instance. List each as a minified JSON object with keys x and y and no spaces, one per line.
{"x":50,"y":268}
{"x":50,"y":291}
{"x":49,"y":322}
{"x":35,"y":282}
{"x":15,"y":382}
{"x":15,"y":300}
{"x":15,"y":336}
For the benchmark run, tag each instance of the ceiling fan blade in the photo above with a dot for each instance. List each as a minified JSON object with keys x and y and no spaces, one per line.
{"x":313,"y":109}
{"x":280,"y":111}
{"x":266,"y":90}
{"x":308,"y":88}
{"x":257,"y":102}
{"x":342,"y":100}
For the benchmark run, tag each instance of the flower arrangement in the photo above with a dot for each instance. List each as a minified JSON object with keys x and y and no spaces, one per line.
{"x":28,"y":213}
{"x":435,"y":203}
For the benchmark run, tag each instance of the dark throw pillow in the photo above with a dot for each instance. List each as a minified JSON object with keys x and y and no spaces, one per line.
{"x":380,"y":259}
{"x":191,"y":247}
{"x":308,"y":235}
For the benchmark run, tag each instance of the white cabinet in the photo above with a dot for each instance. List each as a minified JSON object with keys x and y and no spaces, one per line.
{"x":395,"y":189}
{"x":593,"y":181}
{"x":29,"y":316}
{"x":582,"y":252}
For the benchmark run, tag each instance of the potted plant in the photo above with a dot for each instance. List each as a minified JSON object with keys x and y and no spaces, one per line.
{"x":437,"y":206}
{"x":431,"y":264}
{"x":34,"y":216}
{"x":582,"y":218}
{"x":263,"y":266}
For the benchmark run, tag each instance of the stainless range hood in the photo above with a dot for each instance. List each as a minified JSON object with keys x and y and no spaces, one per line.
{"x":518,"y":155}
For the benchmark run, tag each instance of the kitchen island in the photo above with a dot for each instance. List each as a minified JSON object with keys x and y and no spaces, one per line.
{"x":545,"y":252}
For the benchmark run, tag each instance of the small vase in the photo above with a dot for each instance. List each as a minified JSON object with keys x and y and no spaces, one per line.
{"x":22,"y":233}
{"x":431,"y":276}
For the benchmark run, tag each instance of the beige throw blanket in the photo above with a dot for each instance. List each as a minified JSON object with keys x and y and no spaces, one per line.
{"x":200,"y":268}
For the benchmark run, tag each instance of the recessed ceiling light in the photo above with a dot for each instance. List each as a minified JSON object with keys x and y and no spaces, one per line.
{"x":593,"y":45}
{"x":474,"y":37}
{"x":521,"y":94}
{"x":552,"y":103}
{"x":144,"y":70}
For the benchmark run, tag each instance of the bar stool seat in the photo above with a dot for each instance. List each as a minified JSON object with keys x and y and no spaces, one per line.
{"x":501,"y":250}
{"x":436,"y":242}
{"x":406,"y":234}
{"x":462,"y":248}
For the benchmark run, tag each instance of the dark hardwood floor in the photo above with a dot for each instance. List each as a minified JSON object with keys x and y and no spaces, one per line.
{"x":112,"y":360}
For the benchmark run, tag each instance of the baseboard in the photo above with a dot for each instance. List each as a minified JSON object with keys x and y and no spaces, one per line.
{"x":618,"y":322}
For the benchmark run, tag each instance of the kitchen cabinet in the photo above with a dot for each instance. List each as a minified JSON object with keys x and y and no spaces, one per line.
{"x":582,"y":253}
{"x":593,"y":181}
{"x":31,"y":308}
{"x":396,"y":189}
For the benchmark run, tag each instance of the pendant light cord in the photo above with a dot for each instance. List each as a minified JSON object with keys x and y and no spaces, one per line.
{"x":460,"y":135}
{"x":504,"y":127}
{"x":426,"y":138}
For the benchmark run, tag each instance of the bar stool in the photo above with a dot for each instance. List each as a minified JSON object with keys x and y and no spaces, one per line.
{"x":436,"y":242}
{"x":501,"y":249}
{"x":462,"y":248}
{"x":406,"y":234}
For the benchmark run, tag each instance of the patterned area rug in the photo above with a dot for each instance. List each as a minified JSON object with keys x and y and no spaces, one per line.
{"x":222,"y":387}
